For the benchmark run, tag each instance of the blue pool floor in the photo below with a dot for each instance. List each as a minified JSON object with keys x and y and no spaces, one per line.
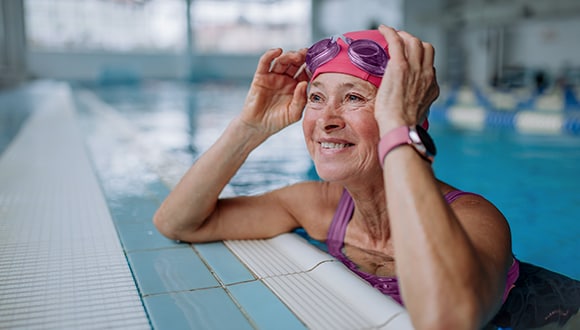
{"x":161,"y":284}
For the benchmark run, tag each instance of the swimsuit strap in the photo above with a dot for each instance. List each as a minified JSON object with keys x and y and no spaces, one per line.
{"x":337,"y":230}
{"x":451,"y":196}
{"x":512,"y":276}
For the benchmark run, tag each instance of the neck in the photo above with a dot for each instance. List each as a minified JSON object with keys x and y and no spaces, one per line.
{"x":370,"y":215}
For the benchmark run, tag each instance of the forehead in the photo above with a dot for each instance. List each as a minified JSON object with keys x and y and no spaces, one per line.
{"x":341,"y":81}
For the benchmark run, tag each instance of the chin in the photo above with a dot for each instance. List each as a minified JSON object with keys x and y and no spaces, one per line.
{"x":330,"y":174}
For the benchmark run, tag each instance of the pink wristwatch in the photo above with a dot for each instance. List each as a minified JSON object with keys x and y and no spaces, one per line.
{"x":416,"y":136}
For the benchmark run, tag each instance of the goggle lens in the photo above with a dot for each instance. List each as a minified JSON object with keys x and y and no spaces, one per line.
{"x":320,"y":53}
{"x":369,"y":56}
{"x":365,"y":54}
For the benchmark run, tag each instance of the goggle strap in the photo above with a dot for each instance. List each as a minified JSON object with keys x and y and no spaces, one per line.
{"x":302,"y":68}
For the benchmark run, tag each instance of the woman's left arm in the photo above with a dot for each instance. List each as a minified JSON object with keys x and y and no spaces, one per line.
{"x":451,"y":261}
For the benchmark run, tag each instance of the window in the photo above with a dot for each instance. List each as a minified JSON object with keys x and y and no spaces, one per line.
{"x":251,"y":26}
{"x":219,"y":26}
{"x":106,"y":25}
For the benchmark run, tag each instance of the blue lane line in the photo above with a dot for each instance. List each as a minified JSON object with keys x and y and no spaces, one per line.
{"x":507,"y":119}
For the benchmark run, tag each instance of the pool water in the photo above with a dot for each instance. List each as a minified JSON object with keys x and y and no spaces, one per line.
{"x":533,"y":179}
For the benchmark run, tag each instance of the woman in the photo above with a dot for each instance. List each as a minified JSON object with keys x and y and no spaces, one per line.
{"x":380,"y":208}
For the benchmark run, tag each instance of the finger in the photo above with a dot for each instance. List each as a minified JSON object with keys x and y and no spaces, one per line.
{"x":266,"y":60}
{"x":301,"y":74}
{"x":298,"y":101}
{"x":292,"y":69}
{"x":428,"y":55}
{"x":413,"y":48}
{"x":277,"y":67}
{"x":287,"y":63}
{"x":396,"y":47}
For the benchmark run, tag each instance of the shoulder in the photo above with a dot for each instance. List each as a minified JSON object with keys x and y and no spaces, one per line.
{"x":312,"y":204}
{"x":483,"y":222}
{"x":470,"y":203}
{"x":461,"y":199}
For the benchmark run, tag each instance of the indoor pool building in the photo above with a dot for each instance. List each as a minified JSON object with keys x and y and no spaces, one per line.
{"x":105,"y":104}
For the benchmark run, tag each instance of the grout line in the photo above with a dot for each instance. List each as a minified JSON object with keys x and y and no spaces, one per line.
{"x":224,"y":287}
{"x":156,"y":294}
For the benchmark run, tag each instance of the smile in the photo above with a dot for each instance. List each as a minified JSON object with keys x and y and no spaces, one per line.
{"x":331,"y":145}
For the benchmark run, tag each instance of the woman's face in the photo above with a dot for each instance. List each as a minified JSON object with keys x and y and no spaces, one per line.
{"x":339,"y":126}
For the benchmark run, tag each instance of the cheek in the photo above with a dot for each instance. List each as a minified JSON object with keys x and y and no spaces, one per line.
{"x":308,"y":124}
{"x":365,"y":125}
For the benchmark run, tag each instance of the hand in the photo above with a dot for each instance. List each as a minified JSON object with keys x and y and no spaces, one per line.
{"x":409,"y":85}
{"x":276,"y":97}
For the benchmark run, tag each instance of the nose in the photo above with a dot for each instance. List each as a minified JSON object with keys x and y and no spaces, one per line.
{"x":331,"y":119}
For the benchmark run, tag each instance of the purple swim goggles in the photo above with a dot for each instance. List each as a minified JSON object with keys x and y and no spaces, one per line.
{"x":365,"y":54}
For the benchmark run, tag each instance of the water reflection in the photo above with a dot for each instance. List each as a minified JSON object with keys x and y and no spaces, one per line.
{"x":138,"y":133}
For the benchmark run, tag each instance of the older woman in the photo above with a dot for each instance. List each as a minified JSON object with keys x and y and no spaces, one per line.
{"x":379,"y":208}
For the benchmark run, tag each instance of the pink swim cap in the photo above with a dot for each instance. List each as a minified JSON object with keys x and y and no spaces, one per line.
{"x":342,"y":62}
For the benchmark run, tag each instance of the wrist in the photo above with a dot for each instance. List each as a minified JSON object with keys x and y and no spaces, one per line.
{"x":249,"y":129}
{"x":247,"y":136}
{"x":414,"y":136}
{"x":387,"y":124}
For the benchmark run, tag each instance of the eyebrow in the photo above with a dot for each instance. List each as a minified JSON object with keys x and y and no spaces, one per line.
{"x":316,"y":84}
{"x":347,"y":85}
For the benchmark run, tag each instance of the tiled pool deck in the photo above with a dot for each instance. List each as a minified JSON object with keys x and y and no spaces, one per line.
{"x":76,"y":253}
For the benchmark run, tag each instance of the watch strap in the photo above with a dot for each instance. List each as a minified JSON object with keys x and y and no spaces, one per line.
{"x":391,"y":140}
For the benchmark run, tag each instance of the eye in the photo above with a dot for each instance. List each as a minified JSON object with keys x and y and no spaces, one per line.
{"x":354,"y":98}
{"x":315,"y":98}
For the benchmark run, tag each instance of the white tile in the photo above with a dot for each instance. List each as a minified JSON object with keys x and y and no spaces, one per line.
{"x":61,"y":264}
{"x":284,"y":254}
{"x":319,"y":290}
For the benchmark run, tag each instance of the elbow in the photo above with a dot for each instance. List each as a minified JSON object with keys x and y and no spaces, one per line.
{"x":170,"y":226}
{"x":452,"y":320}
{"x":165,"y":227}
{"x":444,"y":316}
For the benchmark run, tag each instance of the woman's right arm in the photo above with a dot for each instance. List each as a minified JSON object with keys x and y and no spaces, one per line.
{"x":192,"y":212}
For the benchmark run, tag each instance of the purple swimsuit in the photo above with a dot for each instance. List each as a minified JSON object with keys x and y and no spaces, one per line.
{"x":387,"y":285}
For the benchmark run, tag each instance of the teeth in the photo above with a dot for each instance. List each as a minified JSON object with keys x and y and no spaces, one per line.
{"x":330,"y":145}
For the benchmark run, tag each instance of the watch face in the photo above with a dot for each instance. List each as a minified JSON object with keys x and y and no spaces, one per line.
{"x":426,"y":140}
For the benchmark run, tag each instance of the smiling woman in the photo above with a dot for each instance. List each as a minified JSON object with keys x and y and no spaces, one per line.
{"x":346,"y":109}
{"x":387,"y":218}
{"x":541,"y":212}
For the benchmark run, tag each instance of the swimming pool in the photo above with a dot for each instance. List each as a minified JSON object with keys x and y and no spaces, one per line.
{"x":533,"y":179}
